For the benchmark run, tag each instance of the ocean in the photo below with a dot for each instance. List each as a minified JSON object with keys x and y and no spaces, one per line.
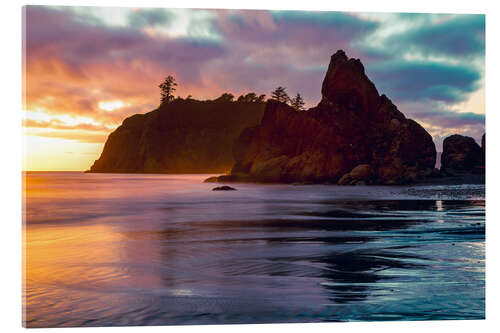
{"x":144,"y":249}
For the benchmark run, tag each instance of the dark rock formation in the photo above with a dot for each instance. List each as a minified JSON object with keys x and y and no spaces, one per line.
{"x":184,"y":136}
{"x":353,"y":134}
{"x":483,"y":150}
{"x":224,"y":188}
{"x":461,"y":154}
{"x":213,"y":179}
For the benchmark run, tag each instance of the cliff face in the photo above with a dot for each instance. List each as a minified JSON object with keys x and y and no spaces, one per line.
{"x":184,"y":136}
{"x":353,"y":126}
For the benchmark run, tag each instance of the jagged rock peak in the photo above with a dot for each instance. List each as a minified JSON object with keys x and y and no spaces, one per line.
{"x":346,"y":83}
{"x":340,"y":57}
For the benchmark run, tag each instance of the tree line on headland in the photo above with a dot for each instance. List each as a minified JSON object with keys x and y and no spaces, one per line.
{"x":279,"y":94}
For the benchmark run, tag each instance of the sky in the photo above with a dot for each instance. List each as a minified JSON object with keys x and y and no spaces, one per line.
{"x":88,"y":68}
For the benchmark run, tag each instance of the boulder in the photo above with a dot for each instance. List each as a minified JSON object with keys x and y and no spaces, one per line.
{"x":360,"y":175}
{"x":223,"y":188}
{"x":352,"y":129}
{"x":460,"y":154}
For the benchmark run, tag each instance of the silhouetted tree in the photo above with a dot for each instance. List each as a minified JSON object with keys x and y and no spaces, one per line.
{"x":225,"y":97}
{"x":279,"y":94}
{"x":248,"y":98}
{"x":297,"y":103}
{"x":261,"y":98}
{"x":167,"y":89}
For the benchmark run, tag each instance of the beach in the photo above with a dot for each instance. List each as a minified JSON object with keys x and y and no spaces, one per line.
{"x":146,"y":249}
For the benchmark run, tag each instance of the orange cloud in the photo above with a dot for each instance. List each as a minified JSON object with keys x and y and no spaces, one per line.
{"x":81,"y":136}
{"x":57,"y":124}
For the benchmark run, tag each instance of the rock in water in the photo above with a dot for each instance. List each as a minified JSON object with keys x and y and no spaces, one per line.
{"x":461,"y":154}
{"x":183,"y":136}
{"x":223,"y":188}
{"x":353,"y":131}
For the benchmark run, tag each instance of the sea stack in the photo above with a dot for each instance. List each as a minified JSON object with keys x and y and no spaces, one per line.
{"x":461,"y":154}
{"x":483,"y":150}
{"x":354,"y":135}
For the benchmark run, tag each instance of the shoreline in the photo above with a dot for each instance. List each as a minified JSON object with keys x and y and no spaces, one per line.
{"x":458,"y":179}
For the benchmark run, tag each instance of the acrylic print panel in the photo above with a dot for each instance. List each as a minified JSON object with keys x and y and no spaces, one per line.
{"x":197,"y":166}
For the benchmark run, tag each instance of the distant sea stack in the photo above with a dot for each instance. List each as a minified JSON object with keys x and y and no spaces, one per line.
{"x":483,"y":150}
{"x":183,"y":136}
{"x":353,"y":136}
{"x":461,"y":154}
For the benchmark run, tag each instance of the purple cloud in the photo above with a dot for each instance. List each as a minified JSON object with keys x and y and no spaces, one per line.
{"x":59,"y":34}
{"x":78,"y":59}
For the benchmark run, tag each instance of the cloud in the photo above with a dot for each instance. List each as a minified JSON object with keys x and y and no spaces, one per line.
{"x":304,"y":38}
{"x":422,"y":80}
{"x":57,"y":124}
{"x":453,"y":36}
{"x":78,"y":45}
{"x":426,"y":63}
{"x":451,"y":119}
{"x":145,"y":17}
{"x":72,"y":65}
{"x":80,"y":136}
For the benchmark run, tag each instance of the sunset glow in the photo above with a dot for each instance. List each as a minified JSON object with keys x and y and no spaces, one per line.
{"x":45,"y":153}
{"x":111,"y":105}
{"x":195,"y":166}
{"x":88,"y":68}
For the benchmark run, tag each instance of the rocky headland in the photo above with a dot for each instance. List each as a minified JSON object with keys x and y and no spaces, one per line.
{"x":353,"y":136}
{"x":183,"y":136}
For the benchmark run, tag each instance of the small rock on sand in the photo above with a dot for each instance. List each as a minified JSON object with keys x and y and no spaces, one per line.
{"x":223,"y":188}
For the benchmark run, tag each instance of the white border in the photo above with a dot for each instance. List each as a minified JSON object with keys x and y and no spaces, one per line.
{"x":10,"y":20}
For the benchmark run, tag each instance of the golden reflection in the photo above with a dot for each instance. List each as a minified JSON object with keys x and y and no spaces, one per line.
{"x":70,"y":254}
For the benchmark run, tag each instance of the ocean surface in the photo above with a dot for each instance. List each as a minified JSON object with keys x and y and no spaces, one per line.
{"x":123,"y":249}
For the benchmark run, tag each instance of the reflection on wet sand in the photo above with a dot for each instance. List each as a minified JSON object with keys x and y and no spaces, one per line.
{"x":178,"y":255}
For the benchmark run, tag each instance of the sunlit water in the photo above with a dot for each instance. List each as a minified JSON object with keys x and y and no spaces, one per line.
{"x":114,"y":249}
